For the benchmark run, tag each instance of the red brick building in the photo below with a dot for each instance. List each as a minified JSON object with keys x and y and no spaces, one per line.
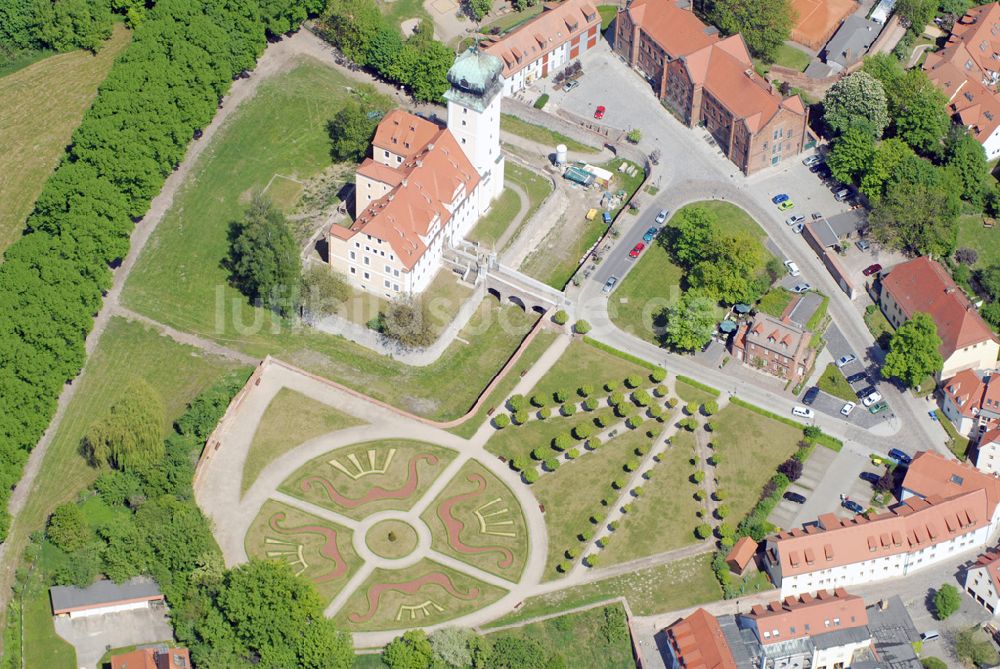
{"x":711,"y":82}
{"x":778,"y":347}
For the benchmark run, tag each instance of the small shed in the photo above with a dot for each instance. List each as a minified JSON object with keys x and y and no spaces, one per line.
{"x":104,"y":597}
{"x":740,"y":558}
{"x":578,"y":175}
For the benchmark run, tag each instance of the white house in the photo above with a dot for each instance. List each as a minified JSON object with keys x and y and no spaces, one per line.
{"x":104,"y":597}
{"x":425,"y":187}
{"x":988,"y":453}
{"x":982,"y":581}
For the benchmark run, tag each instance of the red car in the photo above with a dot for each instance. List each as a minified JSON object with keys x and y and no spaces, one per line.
{"x":599,"y":112}
{"x":872,"y":269}
{"x":636,"y":250}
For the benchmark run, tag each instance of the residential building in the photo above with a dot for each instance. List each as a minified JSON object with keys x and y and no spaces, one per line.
{"x":982,"y":580}
{"x":560,"y":34}
{"x":104,"y":597}
{"x":967,"y":70}
{"x":923,"y":285}
{"x":425,"y":186}
{"x":776,"y":346}
{"x":741,"y":556}
{"x":158,"y":657}
{"x":988,"y":452}
{"x":831,"y":629}
{"x":931,"y":473}
{"x":912,"y":535}
{"x":971,"y":401}
{"x":711,"y":82}
{"x":850,"y":43}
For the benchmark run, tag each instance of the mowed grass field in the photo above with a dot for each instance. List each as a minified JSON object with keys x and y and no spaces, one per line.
{"x":180,"y":280}
{"x":986,"y":241}
{"x":127,"y":351}
{"x":40,"y":107}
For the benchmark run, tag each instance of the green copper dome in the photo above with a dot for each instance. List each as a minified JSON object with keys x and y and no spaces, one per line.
{"x":475,"y":71}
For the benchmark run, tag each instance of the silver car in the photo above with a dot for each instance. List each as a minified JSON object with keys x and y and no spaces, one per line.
{"x":609,"y":285}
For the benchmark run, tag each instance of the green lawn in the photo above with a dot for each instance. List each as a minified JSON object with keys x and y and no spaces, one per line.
{"x":535,"y":185}
{"x":514,"y":19}
{"x":179,"y":279}
{"x":664,"y":516}
{"x":833,"y":382}
{"x":751,"y":447}
{"x":986,"y":241}
{"x":608,"y":14}
{"x":492,"y":226}
{"x":41,"y":104}
{"x":557,"y":258}
{"x":583,"y":364}
{"x":369,"y":661}
{"x":517,"y":441}
{"x":127,"y":351}
{"x":541,"y":134}
{"x":775,"y":301}
{"x":289,"y":420}
{"x":792,"y":58}
{"x":667,"y":587}
{"x":878,"y":324}
{"x":654,"y":283}
{"x":397,"y":11}
{"x":689,"y":393}
{"x":578,"y":638}
{"x":42,"y":646}
{"x":574,"y":491}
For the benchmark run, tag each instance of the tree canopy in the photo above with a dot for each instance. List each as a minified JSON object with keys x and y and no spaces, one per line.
{"x":264,"y":257}
{"x":857,"y":101}
{"x":689,"y":323}
{"x":947,"y":600}
{"x":764,"y":24}
{"x":130,"y":435}
{"x":918,"y":217}
{"x":913,"y":351}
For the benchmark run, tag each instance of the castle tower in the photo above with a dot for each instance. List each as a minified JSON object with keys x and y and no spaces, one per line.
{"x":474,"y":116}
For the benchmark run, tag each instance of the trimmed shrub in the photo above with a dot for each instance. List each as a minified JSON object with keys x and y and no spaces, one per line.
{"x":591,"y":560}
{"x":541,"y":101}
{"x":616,"y":398}
{"x":718,"y":495}
{"x":581,"y":327}
{"x":714,"y":459}
{"x":641,"y":398}
{"x":618,"y":484}
{"x":596,"y":518}
{"x":573,"y":453}
{"x":655,"y":411}
{"x":551,"y":464}
{"x":691,"y":408}
{"x":660,"y":391}
{"x":626,"y":508}
{"x":613,"y":525}
{"x":703,"y":531}
{"x":658,"y":375}
{"x":698,"y":476}
{"x":672,"y":402}
{"x":610,"y":386}
{"x":725,"y":530}
{"x":602,"y":542}
{"x":530,"y":476}
{"x":539,"y":453}
{"x":521,"y":417}
{"x":563,"y":567}
{"x":586,"y":390}
{"x":538,"y":400}
{"x":544,"y":413}
{"x":520,"y":464}
{"x":590,"y":404}
{"x":562,"y":441}
{"x":568,"y":409}
{"x":722,"y":511}
{"x":634,"y":422}
{"x":631,"y":465}
{"x":688,"y":424}
{"x":600,"y":421}
{"x":572,"y":553}
{"x":560,"y":317}
{"x":583,"y":431}
{"x":594,"y":442}
{"x":633,"y":380}
{"x":500,"y":421}
{"x":699,"y":494}
{"x":560,"y":395}
{"x":709,"y":426}
{"x":641,"y":450}
{"x":637,"y":491}
{"x":517,"y":403}
{"x":584,"y":536}
{"x":710,"y":407}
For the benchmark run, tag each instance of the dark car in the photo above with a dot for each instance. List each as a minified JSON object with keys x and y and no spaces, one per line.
{"x":852,"y":506}
{"x":865,"y":392}
{"x":810,"y":395}
{"x":871,"y":477}
{"x":899,"y":456}
{"x":860,"y":376}
{"x":795,"y":497}
{"x":872,"y":269}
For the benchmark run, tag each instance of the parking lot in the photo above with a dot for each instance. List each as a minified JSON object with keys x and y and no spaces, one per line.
{"x":92,"y":636}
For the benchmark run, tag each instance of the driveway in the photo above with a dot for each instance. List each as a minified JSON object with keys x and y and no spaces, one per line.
{"x":92,"y":636}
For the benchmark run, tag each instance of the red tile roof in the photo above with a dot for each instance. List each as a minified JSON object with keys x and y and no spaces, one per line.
{"x":698,"y":642}
{"x":404,"y":134}
{"x":556,"y":25}
{"x":932,"y":474}
{"x":990,"y":561}
{"x":912,"y":525}
{"x":805,"y":616}
{"x":678,"y":31}
{"x":152,"y":658}
{"x":923,"y":285}
{"x":380,"y":172}
{"x":742,"y":552}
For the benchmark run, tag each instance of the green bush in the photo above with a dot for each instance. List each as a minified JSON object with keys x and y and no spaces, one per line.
{"x":631,"y":465}
{"x":698,"y":476}
{"x":602,"y":542}
{"x":540,"y":453}
{"x":560,"y":395}
{"x":590,"y":404}
{"x":520,"y":464}
{"x":586,"y":390}
{"x":714,"y":459}
{"x":947,"y":601}
{"x":521,"y":417}
{"x":594,"y":442}
{"x":572,"y":553}
{"x":591,"y":560}
{"x":542,"y":99}
{"x":581,"y":327}
{"x":585,"y":536}
{"x":933,"y":663}
{"x":568,"y":409}
{"x":672,"y":402}
{"x":530,"y":476}
{"x":637,"y":491}
{"x":582,"y":431}
{"x":709,"y":426}
{"x":634,"y":422}
{"x":551,"y":464}
{"x":718,"y":495}
{"x":725,"y":530}
{"x":562,"y":441}
{"x":501,"y":421}
{"x":616,"y":398}
{"x":722,"y":511}
{"x":658,"y":375}
{"x":627,"y":508}
{"x":641,"y":398}
{"x":573,"y":453}
{"x":660,"y":391}
{"x":691,"y":408}
{"x":610,"y":386}
{"x":703,"y":531}
{"x":699,"y":494}
{"x":618,"y":484}
{"x":710,"y":407}
{"x":655,"y":411}
{"x":633,"y":380}
{"x":600,"y":421}
{"x":517,"y":403}
{"x":563,"y":567}
{"x":641,"y":450}
{"x":560,"y":317}
{"x":544,"y":413}
{"x":538,"y":400}
{"x":613,"y":525}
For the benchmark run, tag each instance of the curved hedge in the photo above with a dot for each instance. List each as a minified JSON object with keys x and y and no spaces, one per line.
{"x":163,"y":88}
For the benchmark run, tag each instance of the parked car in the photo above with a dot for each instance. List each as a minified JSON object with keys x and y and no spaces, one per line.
{"x":933,"y":415}
{"x":930,"y":635}
{"x":846,"y":359}
{"x":793,"y":269}
{"x":810,"y":395}
{"x":860,"y":376}
{"x":636,"y":250}
{"x":798,"y":227}
{"x":661,"y":217}
{"x":866,"y":391}
{"x":847,"y":408}
{"x":878,"y":407}
{"x":900,"y":456}
{"x":801,"y":288}
{"x":792,"y":220}
{"x":599,"y":112}
{"x":606,"y":217}
{"x":872,"y":399}
{"x":822,"y":169}
{"x":842,"y":194}
{"x":571,"y":85}
{"x":872,"y":269}
{"x":786,"y":205}
{"x":816,"y":215}
{"x":803,"y":412}
{"x":863,"y":244}
{"x":650,"y":234}
{"x":795,"y":497}
{"x":779,"y":198}
{"x":812,"y":160}
{"x":852,"y":506}
{"x":609,"y":285}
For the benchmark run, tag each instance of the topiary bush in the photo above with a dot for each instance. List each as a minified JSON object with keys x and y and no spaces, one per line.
{"x":590,"y":404}
{"x":584,"y":536}
{"x":581,"y":327}
{"x":583,"y":431}
{"x":560,"y":317}
{"x":691,"y":408}
{"x":658,"y":375}
{"x":544,"y":413}
{"x":613,"y":525}
{"x":641,"y":450}
{"x":520,"y":464}
{"x":627,"y":508}
{"x":573,"y":453}
{"x":703,"y":531}
{"x":616,"y":398}
{"x":562,"y":441}
{"x":655,"y":412}
{"x":722,"y":511}
{"x":530,"y":476}
{"x":641,"y":398}
{"x":637,"y":491}
{"x":634,"y":422}
{"x":618,"y":484}
{"x":568,"y":409}
{"x":718,"y":495}
{"x":538,"y":400}
{"x":710,"y":407}
{"x":709,"y":426}
{"x":714,"y":459}
{"x":631,"y":465}
{"x":633,"y":380}
{"x":539,"y":453}
{"x":600,"y":421}
{"x":551,"y":464}
{"x":520,"y":417}
{"x":591,"y":560}
{"x":501,"y":421}
{"x":698,"y":476}
{"x":572,"y":553}
{"x":660,"y":391}
{"x":517,"y":403}
{"x":563,"y":567}
{"x":586,"y":390}
{"x":560,"y":395}
{"x":594,"y":442}
{"x":672,"y":402}
{"x":610,"y":386}
{"x":699,"y":494}
{"x":602,"y":542}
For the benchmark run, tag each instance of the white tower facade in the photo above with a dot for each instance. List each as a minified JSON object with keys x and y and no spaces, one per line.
{"x":474,"y":117}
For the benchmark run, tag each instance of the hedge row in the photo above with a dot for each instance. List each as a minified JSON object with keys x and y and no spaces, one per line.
{"x":714,"y":392}
{"x":163,"y":88}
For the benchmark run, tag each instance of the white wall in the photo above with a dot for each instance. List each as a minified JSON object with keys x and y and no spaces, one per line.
{"x":979,"y":585}
{"x":988,"y":458}
{"x":115,"y":608}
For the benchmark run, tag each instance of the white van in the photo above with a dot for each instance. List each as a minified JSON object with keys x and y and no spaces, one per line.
{"x":842,"y":194}
{"x":803,"y":412}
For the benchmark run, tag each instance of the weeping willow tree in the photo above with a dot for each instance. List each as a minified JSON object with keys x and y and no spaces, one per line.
{"x":130,"y":435}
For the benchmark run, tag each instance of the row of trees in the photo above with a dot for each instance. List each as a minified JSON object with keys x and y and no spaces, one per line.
{"x":226,"y":617}
{"x":166,"y":85}
{"x":420,"y":62}
{"x":61,"y":25}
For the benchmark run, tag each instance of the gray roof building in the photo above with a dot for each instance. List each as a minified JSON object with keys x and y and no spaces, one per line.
{"x":851,"y":41}
{"x":70,"y":599}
